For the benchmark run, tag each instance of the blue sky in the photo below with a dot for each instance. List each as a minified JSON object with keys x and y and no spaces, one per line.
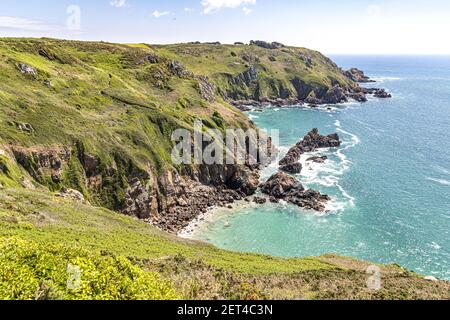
{"x":331,"y":26}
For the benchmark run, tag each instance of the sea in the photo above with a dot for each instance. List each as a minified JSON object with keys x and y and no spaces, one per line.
{"x":389,"y":181}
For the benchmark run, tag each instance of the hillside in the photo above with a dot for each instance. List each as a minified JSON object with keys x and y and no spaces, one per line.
{"x":85,"y":145}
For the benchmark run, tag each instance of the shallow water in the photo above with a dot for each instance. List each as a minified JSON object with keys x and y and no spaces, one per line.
{"x":390,"y":180}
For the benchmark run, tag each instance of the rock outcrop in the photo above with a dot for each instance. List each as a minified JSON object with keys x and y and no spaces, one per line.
{"x":294,"y":168}
{"x":206,"y":89}
{"x":282,"y":186}
{"x":357,"y":75}
{"x":267,"y":45}
{"x":310,"y":143}
{"x":43,"y":162}
{"x":27,"y":69}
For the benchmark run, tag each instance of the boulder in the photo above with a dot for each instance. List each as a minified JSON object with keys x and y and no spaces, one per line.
{"x":27,"y":69}
{"x":282,"y":186}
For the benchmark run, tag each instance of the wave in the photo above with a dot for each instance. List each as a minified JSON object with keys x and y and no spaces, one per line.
{"x":329,"y":174}
{"x":442,"y":170}
{"x":385,"y":79}
{"x":440,"y":181}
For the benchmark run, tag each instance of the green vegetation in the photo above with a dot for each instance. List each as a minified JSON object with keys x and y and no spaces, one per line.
{"x":93,"y":117}
{"x":123,"y":258}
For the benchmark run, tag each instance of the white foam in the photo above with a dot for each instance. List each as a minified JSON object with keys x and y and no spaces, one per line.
{"x":385,"y":79}
{"x":443,"y":182}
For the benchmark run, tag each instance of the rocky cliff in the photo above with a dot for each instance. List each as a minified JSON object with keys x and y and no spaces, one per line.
{"x":97,"y":118}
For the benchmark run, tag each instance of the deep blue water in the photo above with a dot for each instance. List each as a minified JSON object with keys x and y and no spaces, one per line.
{"x":390,"y":181}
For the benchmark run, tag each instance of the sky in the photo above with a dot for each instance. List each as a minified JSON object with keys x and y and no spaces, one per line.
{"x":330,"y":26}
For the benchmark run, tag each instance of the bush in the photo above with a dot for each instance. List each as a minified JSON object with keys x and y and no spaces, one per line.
{"x":29,"y":271}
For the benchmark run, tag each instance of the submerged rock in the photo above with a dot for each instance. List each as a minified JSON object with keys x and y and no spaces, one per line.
{"x":318,"y":159}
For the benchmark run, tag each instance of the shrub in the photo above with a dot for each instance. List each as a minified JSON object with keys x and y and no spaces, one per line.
{"x":29,"y":271}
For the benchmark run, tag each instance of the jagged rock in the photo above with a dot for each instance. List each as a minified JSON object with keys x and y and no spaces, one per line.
{"x":138,"y":200}
{"x":335,"y":95}
{"x":259,"y":200}
{"x":310,"y":143}
{"x":280,"y":184}
{"x":306,"y":59}
{"x":294,"y":168}
{"x":312,"y":99}
{"x":179,"y":69}
{"x":42,"y":162}
{"x":152,"y":58}
{"x":27,"y":69}
{"x":286,"y":187}
{"x":246,"y":77}
{"x":206,"y":89}
{"x":318,"y":159}
{"x":267,"y":45}
{"x":357,"y":75}
{"x":382,"y":94}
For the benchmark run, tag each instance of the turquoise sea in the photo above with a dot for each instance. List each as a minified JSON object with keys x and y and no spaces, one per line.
{"x":390,"y":181}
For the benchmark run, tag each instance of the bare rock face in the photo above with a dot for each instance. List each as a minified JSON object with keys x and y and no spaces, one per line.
{"x":43,"y":161}
{"x":140,"y":201}
{"x":310,"y":143}
{"x":246,"y":77}
{"x":178,"y":69}
{"x":282,"y":186}
{"x":206,"y":89}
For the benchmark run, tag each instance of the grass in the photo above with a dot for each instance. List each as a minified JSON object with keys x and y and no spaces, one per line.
{"x":116,"y":105}
{"x":57,"y":232}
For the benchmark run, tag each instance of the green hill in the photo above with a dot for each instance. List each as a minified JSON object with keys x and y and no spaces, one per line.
{"x":85,"y":133}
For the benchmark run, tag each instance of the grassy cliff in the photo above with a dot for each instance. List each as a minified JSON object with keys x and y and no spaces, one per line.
{"x":97,"y":118}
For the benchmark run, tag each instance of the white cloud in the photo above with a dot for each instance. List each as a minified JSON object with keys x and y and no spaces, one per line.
{"x":247,"y":11}
{"x":158,"y":14}
{"x":118,"y":3}
{"x":189,"y":10}
{"x":25,"y":24}
{"x":211,"y":6}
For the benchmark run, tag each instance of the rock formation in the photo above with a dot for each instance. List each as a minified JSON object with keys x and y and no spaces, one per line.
{"x":282,"y":186}
{"x":310,"y":143}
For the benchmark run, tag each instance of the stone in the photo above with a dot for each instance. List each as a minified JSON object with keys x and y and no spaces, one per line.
{"x":27,"y":69}
{"x":294,"y":168}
